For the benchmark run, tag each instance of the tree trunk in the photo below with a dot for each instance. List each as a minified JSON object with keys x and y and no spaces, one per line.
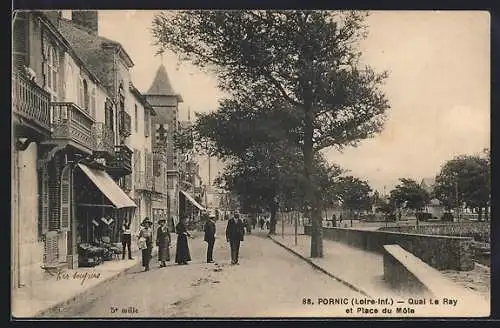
{"x":272,"y":225}
{"x":316,"y":228}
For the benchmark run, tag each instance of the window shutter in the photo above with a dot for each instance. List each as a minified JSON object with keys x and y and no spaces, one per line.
{"x":92,"y":103}
{"x":51,"y":251}
{"x":65,"y":199}
{"x":80,"y":93}
{"x":44,"y":217}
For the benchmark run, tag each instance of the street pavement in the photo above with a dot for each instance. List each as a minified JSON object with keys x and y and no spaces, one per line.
{"x":269,"y":282}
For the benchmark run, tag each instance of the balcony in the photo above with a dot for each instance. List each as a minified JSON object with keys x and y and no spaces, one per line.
{"x":105,"y":140}
{"x":121,"y":164}
{"x":125,"y":124}
{"x":143,"y":181}
{"x":71,"y":125}
{"x":31,"y":107}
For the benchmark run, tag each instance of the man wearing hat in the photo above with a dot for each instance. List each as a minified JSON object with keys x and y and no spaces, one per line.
{"x":145,"y":242}
{"x":234,"y":235}
{"x":163,"y":242}
{"x":210,"y":237}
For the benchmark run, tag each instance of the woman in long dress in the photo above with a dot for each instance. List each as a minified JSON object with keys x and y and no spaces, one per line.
{"x":182,"y":255}
{"x":146,"y":242}
{"x":163,"y":243}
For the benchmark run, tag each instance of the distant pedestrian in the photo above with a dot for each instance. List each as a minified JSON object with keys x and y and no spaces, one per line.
{"x":182,"y":255}
{"x":268,"y":224}
{"x":126,"y":239}
{"x":261,"y":223}
{"x":254,"y":222}
{"x":163,"y":243}
{"x":145,"y":242}
{"x":210,"y":230}
{"x":235,"y":231}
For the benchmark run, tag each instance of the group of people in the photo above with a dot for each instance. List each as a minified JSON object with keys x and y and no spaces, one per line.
{"x":235,"y":232}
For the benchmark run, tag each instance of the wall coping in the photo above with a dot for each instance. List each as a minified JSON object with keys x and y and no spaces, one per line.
{"x":402,"y":233}
{"x":431,"y":278}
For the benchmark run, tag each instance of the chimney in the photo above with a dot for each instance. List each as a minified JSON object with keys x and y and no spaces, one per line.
{"x":54,"y":16}
{"x":87,"y":19}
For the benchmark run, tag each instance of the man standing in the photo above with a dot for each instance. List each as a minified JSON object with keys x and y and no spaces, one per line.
{"x":126,"y":239}
{"x":210,"y":238}
{"x":234,"y":235}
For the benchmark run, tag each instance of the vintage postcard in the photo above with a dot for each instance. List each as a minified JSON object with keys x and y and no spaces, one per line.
{"x":250,"y":164}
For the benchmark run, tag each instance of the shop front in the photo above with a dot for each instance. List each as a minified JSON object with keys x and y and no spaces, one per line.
{"x":189,"y":209}
{"x":101,"y":207}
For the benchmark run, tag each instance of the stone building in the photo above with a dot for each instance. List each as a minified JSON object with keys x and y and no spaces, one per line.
{"x":64,"y":136}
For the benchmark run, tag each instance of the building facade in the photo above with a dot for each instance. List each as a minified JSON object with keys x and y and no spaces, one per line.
{"x":72,"y":126}
{"x":165,"y":103}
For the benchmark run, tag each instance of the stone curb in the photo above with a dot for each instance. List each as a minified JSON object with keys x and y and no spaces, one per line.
{"x":317,"y":267}
{"x":87,"y":291}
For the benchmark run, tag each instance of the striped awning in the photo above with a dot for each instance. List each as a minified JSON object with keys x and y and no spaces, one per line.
{"x":108,"y":187}
{"x":192,"y":200}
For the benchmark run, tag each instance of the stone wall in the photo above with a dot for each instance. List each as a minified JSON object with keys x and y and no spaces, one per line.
{"x":440,"y":252}
{"x":480,"y":231}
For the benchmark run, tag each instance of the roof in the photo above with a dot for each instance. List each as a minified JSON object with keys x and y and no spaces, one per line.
{"x":56,"y":32}
{"x":139,"y":96}
{"x":90,"y":47}
{"x":161,"y":85}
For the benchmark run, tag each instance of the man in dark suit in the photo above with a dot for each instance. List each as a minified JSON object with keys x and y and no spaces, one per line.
{"x":234,"y":235}
{"x":210,"y":238}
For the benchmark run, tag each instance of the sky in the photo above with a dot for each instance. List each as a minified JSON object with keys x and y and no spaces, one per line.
{"x":438,"y":88}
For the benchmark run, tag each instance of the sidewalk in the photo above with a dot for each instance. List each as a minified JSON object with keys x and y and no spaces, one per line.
{"x":360,"y":270}
{"x":54,"y":291}
{"x":363,"y":271}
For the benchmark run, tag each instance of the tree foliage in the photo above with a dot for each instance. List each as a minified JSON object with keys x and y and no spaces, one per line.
{"x":408,"y":193}
{"x":280,"y":55}
{"x":302,"y":61}
{"x":354,"y":193}
{"x":465,"y":180}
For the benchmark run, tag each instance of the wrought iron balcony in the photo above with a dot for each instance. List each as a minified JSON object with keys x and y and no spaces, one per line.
{"x":121,"y":164}
{"x":125,"y":124}
{"x":70,"y":124}
{"x":105,"y":140}
{"x":143,"y":181}
{"x":31,"y":106}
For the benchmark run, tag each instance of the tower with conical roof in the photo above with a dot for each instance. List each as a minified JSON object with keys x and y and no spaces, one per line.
{"x":165,"y":102}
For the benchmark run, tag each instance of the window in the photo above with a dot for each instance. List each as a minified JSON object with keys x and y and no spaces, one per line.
{"x":108,"y":114}
{"x":93,"y":102}
{"x":146,"y":122}
{"x":85,"y":96}
{"x":50,"y":68}
{"x":136,"y":113}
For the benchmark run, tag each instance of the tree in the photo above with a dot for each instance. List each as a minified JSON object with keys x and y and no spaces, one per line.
{"x":305,"y":60}
{"x":465,"y":180}
{"x":354,"y":193}
{"x":408,"y":193}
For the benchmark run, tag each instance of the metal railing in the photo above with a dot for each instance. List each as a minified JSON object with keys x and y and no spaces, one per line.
{"x":125,"y":124}
{"x":105,"y":139}
{"x":122,"y":161}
